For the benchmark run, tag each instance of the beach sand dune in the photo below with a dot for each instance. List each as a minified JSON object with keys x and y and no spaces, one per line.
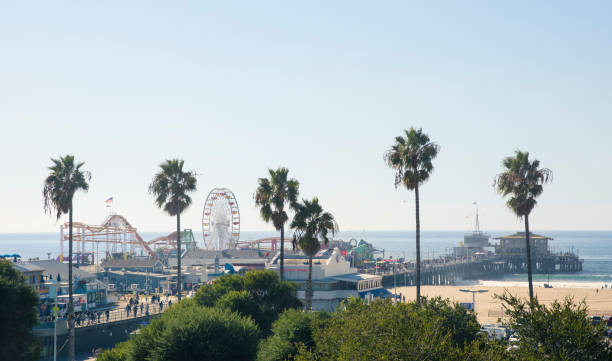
{"x":489,"y":309}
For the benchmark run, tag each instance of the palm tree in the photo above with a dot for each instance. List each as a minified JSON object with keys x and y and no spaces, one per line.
{"x":170,"y":187}
{"x":523,"y":181}
{"x":411,"y":157}
{"x":272,"y":195}
{"x":312,"y":226}
{"x":64,"y":180}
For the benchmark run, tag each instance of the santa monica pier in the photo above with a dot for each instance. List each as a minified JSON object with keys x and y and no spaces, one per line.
{"x":121,"y":280}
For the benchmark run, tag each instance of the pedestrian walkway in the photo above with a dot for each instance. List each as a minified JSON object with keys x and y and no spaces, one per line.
{"x":96,"y":318}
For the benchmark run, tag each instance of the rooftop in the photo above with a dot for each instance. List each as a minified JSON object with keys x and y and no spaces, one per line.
{"x":129,"y":263}
{"x":521,"y":235}
{"x":26,"y":267}
{"x":53,"y":267}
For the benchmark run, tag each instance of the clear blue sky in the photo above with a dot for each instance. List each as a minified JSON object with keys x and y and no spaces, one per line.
{"x":320,"y":87}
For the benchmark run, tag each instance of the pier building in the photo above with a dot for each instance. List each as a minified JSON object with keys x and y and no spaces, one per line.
{"x":333,"y":279}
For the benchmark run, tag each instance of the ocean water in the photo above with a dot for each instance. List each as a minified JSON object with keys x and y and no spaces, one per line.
{"x":595,"y":247}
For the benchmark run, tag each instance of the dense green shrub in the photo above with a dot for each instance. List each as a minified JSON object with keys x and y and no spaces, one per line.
{"x":270,"y":295}
{"x":293,"y":328}
{"x":382,"y":330}
{"x":18,"y":316}
{"x":188,"y":332}
{"x":561,"y":331}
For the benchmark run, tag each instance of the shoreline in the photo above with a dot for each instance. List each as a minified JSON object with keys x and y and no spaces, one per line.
{"x":557,"y":283}
{"x":489,"y":309}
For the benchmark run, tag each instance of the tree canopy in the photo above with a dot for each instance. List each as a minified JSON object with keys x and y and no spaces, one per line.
{"x":171,"y":186}
{"x":412,"y":158}
{"x":259,"y":294}
{"x":64,"y":180}
{"x":522,"y":180}
{"x":561,"y":331}
{"x":18,"y":316}
{"x":382,"y":330}
{"x":188,"y":332}
{"x":293,"y":329}
{"x":274,"y":193}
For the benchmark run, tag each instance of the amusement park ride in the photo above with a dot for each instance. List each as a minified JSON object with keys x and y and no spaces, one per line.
{"x":220,"y":220}
{"x":115,"y":233}
{"x":220,"y":230}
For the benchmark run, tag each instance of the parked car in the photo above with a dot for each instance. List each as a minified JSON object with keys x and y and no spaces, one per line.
{"x":595,"y":320}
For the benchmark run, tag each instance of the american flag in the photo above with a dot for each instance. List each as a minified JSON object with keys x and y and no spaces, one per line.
{"x":109,"y":202}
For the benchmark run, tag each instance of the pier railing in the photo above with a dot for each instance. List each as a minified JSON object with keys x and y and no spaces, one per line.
{"x":86,"y":319}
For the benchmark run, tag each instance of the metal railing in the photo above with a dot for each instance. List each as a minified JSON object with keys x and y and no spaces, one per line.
{"x":115,"y":315}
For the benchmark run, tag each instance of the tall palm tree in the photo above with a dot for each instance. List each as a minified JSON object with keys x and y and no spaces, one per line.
{"x":523,"y":181}
{"x":272,"y":195}
{"x":170,"y":187}
{"x":411,"y":157}
{"x":64,"y":180}
{"x":312,"y":226}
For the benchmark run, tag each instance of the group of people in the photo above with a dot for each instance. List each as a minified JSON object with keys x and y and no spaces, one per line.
{"x":90,"y":317}
{"x":135,"y":305}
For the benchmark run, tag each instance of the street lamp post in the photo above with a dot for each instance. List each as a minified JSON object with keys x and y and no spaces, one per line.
{"x":55,"y":314}
{"x":473,"y":292}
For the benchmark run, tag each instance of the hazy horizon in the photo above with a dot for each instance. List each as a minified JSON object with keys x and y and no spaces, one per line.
{"x":321,"y":88}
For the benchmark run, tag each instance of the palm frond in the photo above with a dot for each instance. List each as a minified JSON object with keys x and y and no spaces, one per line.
{"x":412,"y":158}
{"x":523,"y":180}
{"x":64,"y":180}
{"x":171,"y":185}
{"x":274,"y":193}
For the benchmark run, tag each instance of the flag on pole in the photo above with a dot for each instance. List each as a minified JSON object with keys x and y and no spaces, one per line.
{"x":109,"y":202}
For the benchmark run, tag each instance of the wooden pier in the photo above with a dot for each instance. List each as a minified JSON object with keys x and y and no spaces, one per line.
{"x":447,"y":272}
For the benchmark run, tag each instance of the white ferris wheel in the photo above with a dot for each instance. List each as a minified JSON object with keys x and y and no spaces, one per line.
{"x":221,"y":220}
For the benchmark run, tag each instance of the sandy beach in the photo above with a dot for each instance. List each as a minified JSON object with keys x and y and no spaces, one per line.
{"x":489,"y":309}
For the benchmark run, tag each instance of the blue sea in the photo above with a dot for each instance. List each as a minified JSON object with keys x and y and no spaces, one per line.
{"x":594,"y":247}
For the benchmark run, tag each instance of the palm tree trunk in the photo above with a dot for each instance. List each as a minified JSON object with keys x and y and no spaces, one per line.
{"x":179,"y":282}
{"x":309,"y":291}
{"x":70,"y":291}
{"x":528,"y":250}
{"x":418,"y":247}
{"x":282,"y":253}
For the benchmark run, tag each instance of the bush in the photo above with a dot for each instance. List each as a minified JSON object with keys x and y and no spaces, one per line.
{"x":293,"y":329}
{"x":189,"y":332}
{"x":241,"y":302}
{"x":18,"y":315}
{"x":561,"y":331}
{"x":382,"y":330}
{"x":270,"y":296}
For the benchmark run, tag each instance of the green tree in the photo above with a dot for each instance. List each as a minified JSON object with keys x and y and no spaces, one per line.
{"x":260,"y":288}
{"x":312,"y":226}
{"x":64,"y":180}
{"x":241,"y":302}
{"x":170,"y":187}
{"x":383,"y":330}
{"x":523,"y":181}
{"x":18,"y":316}
{"x":411,"y":157}
{"x":293,"y":329}
{"x":272,"y":195}
{"x":188,"y":332}
{"x":561,"y":331}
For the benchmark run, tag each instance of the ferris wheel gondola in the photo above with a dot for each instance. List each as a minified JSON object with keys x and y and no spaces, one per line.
{"x":220,"y":220}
